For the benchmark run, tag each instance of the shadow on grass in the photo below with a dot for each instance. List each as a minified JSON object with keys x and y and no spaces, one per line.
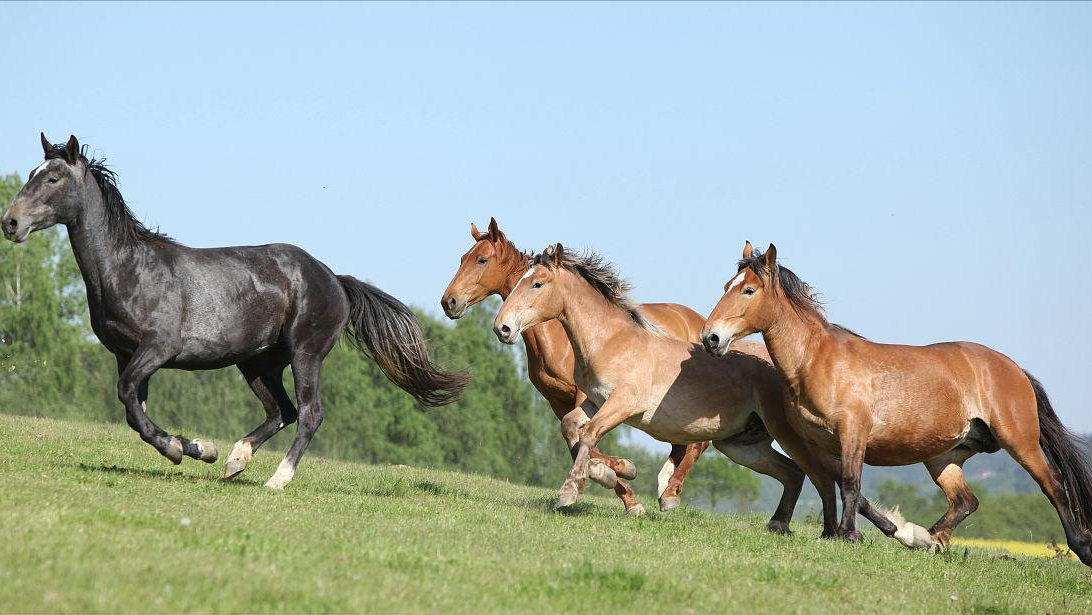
{"x":166,"y":474}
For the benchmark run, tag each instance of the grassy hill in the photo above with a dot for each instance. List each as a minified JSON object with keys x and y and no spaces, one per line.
{"x":95,"y":520}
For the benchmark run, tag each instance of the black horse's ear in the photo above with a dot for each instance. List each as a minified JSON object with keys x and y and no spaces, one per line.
{"x":748,"y":250}
{"x":72,"y":150}
{"x":46,"y":145}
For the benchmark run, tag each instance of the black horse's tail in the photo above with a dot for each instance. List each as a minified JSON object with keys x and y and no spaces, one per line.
{"x":1066,"y":454}
{"x":383,"y":328}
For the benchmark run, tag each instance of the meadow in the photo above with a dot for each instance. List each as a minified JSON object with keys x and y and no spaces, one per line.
{"x":94,"y":520}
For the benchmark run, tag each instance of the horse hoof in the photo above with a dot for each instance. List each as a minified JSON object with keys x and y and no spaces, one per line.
{"x":173,"y":450}
{"x":669,"y":502}
{"x":853,"y":536}
{"x":206,"y":451}
{"x":567,"y":495}
{"x":233,"y":468}
{"x":602,"y":475}
{"x":636,"y":510}
{"x":779,"y":527}
{"x":629,"y":470}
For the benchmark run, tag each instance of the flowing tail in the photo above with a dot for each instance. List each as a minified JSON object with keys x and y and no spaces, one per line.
{"x":1066,"y":454}
{"x":383,"y":328}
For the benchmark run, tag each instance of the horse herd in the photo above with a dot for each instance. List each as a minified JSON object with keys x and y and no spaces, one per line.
{"x":831,"y":399}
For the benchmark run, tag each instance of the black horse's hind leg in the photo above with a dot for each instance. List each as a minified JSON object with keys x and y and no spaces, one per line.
{"x":133,"y":375}
{"x":305,"y":373}
{"x":264,"y":377}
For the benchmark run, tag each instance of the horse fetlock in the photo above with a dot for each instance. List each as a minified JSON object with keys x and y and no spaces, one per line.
{"x":284,"y":474}
{"x":602,"y":474}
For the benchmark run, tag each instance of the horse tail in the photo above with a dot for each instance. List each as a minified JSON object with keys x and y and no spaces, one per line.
{"x":1065,"y":452}
{"x":384,"y":329}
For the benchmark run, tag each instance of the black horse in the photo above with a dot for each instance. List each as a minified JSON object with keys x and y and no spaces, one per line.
{"x":156,"y":303}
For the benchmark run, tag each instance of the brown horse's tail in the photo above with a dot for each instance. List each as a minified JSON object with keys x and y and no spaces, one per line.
{"x":383,"y":328}
{"x":1066,"y":453}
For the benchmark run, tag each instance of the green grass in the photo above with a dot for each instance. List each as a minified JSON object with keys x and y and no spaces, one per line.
{"x":92,"y":519}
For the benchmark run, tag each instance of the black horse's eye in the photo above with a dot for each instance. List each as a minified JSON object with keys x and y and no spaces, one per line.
{"x":483,"y":260}
{"x":748,"y":291}
{"x":537,"y":285}
{"x":52,"y":180}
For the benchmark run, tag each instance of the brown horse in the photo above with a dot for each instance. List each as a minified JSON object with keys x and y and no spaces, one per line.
{"x":886,"y":404}
{"x":493,"y":266}
{"x":668,"y":388}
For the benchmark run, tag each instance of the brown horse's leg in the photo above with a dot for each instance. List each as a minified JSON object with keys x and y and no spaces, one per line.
{"x":683,"y":458}
{"x":762,"y":458}
{"x":852,"y":438}
{"x":1031,"y":457}
{"x":947,"y":473}
{"x":623,"y":468}
{"x":605,"y":475}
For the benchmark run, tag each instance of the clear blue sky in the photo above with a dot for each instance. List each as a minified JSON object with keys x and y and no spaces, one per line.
{"x":928,"y":167}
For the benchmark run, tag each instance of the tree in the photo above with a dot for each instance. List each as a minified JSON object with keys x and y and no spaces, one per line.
{"x":716,"y":481}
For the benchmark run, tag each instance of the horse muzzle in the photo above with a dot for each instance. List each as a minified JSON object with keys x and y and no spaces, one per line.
{"x":506,"y":333}
{"x":453,"y":308}
{"x":715,"y":344}
{"x":13,"y":229}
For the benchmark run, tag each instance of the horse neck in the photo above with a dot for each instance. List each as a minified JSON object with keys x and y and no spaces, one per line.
{"x":590,"y":320}
{"x":516,"y":263}
{"x":93,"y":242}
{"x":792,"y":339}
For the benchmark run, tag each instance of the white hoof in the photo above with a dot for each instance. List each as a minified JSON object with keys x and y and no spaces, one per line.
{"x":241,"y":454}
{"x":566,"y":496}
{"x":636,"y":510}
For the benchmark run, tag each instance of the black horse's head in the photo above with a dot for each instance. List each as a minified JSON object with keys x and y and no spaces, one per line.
{"x":51,"y":194}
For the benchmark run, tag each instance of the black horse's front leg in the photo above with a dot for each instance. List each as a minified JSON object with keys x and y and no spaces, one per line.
{"x":134,"y":372}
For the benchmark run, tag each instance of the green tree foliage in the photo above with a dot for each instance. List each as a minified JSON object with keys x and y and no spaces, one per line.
{"x":717,"y":482}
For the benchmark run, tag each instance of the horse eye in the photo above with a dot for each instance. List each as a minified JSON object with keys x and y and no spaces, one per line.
{"x":52,"y":180}
{"x":483,"y":260}
{"x":748,"y":291}
{"x":537,"y":285}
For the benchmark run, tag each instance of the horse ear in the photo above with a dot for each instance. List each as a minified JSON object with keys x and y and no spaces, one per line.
{"x":748,"y":250}
{"x":475,"y":233}
{"x":72,"y":150}
{"x":558,"y":251}
{"x":770,"y":258}
{"x":46,"y":145}
{"x":494,"y":230}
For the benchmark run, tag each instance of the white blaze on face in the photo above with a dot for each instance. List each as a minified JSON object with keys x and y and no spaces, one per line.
{"x":39,"y":168}
{"x":736,"y":281}
{"x":529,"y":273}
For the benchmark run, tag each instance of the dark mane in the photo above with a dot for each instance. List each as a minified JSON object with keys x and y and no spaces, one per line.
{"x":603,"y":277}
{"x":123,"y":224}
{"x":800,"y":294}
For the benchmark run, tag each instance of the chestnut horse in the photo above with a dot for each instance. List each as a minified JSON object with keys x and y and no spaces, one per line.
{"x":493,"y":266}
{"x":886,"y":404}
{"x":666,"y":387}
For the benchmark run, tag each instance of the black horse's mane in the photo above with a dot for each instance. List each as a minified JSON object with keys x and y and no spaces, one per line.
{"x":123,"y":224}
{"x":799,"y":293}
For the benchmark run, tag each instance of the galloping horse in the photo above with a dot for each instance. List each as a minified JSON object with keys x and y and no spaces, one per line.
{"x":632,"y":373}
{"x":885,"y":404}
{"x":155,"y":303}
{"x":493,"y":266}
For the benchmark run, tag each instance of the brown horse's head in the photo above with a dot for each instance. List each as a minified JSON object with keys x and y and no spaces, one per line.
{"x":747,"y":305}
{"x":536,"y":298}
{"x":484,"y":270}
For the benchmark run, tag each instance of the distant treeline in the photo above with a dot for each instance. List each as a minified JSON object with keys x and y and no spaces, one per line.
{"x":51,"y":365}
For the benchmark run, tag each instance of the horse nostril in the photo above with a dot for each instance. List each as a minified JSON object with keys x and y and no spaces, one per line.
{"x":11,"y":224}
{"x":506,"y":330}
{"x":712,"y":340}
{"x":451,"y":302}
